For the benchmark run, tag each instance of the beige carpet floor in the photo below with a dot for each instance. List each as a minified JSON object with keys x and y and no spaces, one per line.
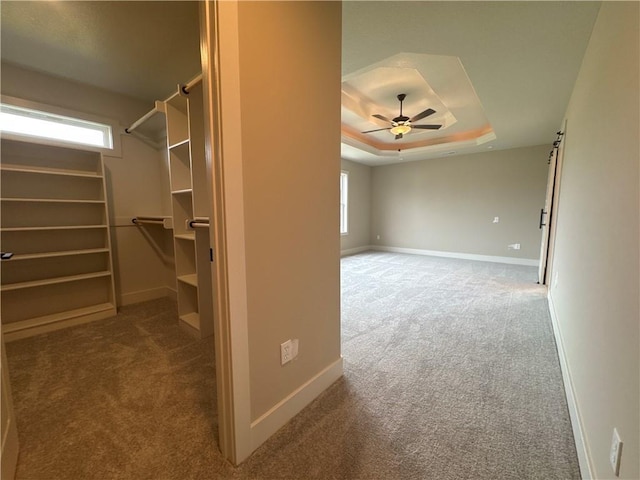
{"x":450,"y":373}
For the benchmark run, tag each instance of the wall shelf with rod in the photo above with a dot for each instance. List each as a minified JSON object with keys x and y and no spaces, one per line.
{"x":189,"y":196}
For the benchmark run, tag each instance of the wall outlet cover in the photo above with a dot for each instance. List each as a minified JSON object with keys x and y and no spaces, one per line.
{"x":285,"y":352}
{"x":616,"y":452}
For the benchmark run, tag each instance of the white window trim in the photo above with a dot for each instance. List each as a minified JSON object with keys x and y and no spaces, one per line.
{"x":116,"y":128}
{"x":344,"y":173}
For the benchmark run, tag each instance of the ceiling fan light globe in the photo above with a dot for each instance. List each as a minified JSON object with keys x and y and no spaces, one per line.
{"x":400,"y":129}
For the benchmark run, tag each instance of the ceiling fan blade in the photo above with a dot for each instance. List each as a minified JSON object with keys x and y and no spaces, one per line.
{"x":399,"y":136}
{"x":376,"y":130}
{"x":382,"y":117}
{"x":426,"y":127}
{"x":420,"y":116}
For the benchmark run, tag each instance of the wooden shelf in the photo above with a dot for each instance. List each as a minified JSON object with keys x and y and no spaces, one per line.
{"x":189,"y":182}
{"x":191,"y":279}
{"x":55,"y":220}
{"x":184,"y":191}
{"x":48,"y":171}
{"x":181,"y":144}
{"x":59,"y":227}
{"x":49,"y":200}
{"x":192,"y":319}
{"x":186,"y":236}
{"x":66,"y":253}
{"x":53,"y":281}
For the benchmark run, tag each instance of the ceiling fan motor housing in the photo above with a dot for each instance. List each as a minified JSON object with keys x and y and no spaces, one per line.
{"x":401,"y":124}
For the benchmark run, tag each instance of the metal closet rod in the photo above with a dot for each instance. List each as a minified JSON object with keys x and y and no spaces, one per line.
{"x":189,"y":85}
{"x":155,"y":220}
{"x":199,"y":223}
{"x":159,"y":106}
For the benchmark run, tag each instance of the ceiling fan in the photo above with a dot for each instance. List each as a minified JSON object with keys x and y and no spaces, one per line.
{"x":402,"y":125}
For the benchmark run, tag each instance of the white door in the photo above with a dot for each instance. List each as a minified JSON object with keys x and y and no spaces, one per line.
{"x":9,"y":430}
{"x":545,"y":216}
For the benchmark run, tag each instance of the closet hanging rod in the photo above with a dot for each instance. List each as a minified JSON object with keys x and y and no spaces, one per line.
{"x":164,"y":221}
{"x":189,"y":85}
{"x":158,"y":108}
{"x":199,"y":223}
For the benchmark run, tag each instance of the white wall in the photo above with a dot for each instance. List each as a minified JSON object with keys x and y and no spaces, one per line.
{"x":136,"y":181}
{"x":291,"y":190}
{"x":359,"y":207}
{"x":448,"y":204}
{"x":281,"y":200}
{"x":596,"y":258}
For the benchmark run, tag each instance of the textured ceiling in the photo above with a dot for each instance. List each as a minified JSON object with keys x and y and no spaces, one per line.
{"x":141,"y":49}
{"x":521,"y":58}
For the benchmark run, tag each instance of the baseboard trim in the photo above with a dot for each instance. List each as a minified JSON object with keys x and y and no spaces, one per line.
{"x":353,"y":251}
{"x":57,"y":321}
{"x":290,"y":406}
{"x":529,"y":262}
{"x":584,"y":457}
{"x":144,"y":295}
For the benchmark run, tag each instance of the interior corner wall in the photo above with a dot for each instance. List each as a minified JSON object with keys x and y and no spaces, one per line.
{"x":142,"y":257}
{"x":290,"y":66}
{"x":596,"y":255}
{"x":359,"y":207}
{"x":448,"y":204}
{"x":143,"y":260}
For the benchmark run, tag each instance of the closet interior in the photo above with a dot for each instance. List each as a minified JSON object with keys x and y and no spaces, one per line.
{"x":56,"y":223}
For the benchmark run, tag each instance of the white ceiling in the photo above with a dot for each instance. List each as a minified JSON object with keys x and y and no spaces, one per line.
{"x":521,"y":58}
{"x":141,"y":49}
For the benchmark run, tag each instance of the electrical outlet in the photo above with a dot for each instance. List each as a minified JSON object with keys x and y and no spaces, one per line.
{"x":294,"y":348}
{"x":496,"y":219}
{"x":616,"y":452}
{"x":514,"y":246}
{"x":377,"y":237}
{"x":285,"y":352}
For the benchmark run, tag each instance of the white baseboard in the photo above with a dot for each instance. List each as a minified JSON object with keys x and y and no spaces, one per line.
{"x":353,"y":251}
{"x":144,"y":295}
{"x":290,"y":406}
{"x":56,"y":321}
{"x":529,"y":262}
{"x":584,"y":457}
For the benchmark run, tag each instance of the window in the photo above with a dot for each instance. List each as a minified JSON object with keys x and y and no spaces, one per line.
{"x":344,"y":195}
{"x":36,"y":123}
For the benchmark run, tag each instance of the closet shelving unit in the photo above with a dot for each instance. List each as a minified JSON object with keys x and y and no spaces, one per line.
{"x":189,"y":196}
{"x":55,"y":222}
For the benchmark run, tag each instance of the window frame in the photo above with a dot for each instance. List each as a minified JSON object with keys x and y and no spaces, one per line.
{"x":73,"y":116}
{"x":344,"y":202}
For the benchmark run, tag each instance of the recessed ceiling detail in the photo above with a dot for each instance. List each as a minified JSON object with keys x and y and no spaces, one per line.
{"x":429,"y":81}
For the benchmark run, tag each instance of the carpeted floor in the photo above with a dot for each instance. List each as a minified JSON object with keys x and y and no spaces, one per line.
{"x":450,"y":373}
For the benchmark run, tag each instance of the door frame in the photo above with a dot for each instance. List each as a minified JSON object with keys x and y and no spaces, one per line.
{"x":224,"y":167}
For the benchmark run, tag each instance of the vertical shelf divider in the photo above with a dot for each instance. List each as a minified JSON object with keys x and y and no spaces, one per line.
{"x":188,"y":183}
